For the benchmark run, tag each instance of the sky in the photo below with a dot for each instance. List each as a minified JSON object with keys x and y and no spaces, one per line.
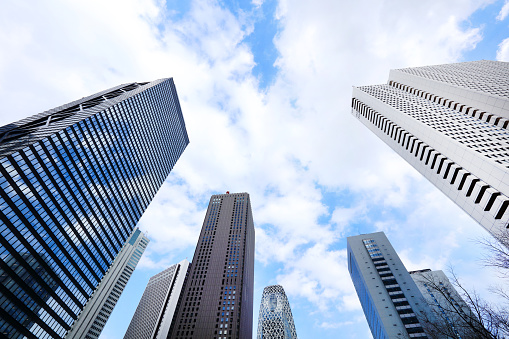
{"x":265,"y":89}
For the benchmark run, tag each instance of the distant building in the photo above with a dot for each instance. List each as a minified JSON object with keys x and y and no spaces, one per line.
{"x":217,"y":299}
{"x":390,"y":299}
{"x":98,"y":309}
{"x":275,"y":320}
{"x":74,"y":182}
{"x":450,"y":122}
{"x":448,"y":309}
{"x":158,"y":304}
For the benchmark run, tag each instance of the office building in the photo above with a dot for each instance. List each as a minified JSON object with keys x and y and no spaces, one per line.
{"x":74,"y":181}
{"x":448,"y":311}
{"x":8,"y":271}
{"x":217,"y":299}
{"x":158,"y":304}
{"x":450,"y":122}
{"x":390,"y":299}
{"x":275,"y":320}
{"x":97,"y":310}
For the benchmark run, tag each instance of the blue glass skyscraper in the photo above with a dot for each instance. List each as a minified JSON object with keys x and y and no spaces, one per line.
{"x":74,"y":181}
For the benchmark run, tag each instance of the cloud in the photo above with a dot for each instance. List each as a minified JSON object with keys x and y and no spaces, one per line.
{"x":504,"y":11}
{"x":329,"y":325}
{"x":503,"y":51}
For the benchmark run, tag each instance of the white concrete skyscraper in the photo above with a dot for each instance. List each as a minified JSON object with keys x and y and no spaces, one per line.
{"x":98,"y":309}
{"x":450,"y":122}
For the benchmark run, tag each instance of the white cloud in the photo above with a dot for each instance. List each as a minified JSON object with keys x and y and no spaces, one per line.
{"x":257,"y":3}
{"x":504,"y":11}
{"x":503,"y":51}
{"x":329,"y":325}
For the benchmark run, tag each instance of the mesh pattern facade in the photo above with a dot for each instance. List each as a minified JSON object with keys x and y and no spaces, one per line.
{"x":490,"y":141}
{"x":275,"y":320}
{"x":485,"y":76}
{"x":74,"y":182}
{"x":217,"y":298}
{"x":460,"y":148}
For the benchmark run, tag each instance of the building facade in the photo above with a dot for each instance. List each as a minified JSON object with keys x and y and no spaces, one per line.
{"x":450,"y":122}
{"x":94,"y":316}
{"x":74,"y":181}
{"x":390,"y":299}
{"x":217,"y":299}
{"x":10,"y":265}
{"x":158,"y":304}
{"x":449,"y":314}
{"x":275,"y":320}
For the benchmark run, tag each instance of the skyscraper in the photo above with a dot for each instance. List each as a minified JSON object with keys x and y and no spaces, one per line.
{"x":158,"y":304}
{"x":451,"y":123}
{"x":449,"y":314}
{"x":92,"y":319}
{"x":6,"y":279}
{"x":217,"y":299}
{"x":74,"y":182}
{"x":275,"y":320}
{"x":390,"y":299}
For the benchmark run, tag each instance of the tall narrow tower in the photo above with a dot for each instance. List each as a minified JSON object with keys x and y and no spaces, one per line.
{"x":217,"y":299}
{"x":98,"y":309}
{"x":451,"y":123}
{"x":390,"y":299}
{"x":74,"y":182}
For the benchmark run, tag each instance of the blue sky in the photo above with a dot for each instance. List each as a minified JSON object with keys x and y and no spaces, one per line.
{"x":265,"y":88}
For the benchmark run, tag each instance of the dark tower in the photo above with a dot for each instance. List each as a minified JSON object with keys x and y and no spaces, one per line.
{"x":217,"y":299}
{"x":74,"y":181}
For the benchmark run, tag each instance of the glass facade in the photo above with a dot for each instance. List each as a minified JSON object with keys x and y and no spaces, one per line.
{"x":74,"y":181}
{"x":389,"y":297}
{"x":275,"y":320}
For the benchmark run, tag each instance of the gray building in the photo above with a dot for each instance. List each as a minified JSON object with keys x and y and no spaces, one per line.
{"x":217,"y":298}
{"x":158,"y":304}
{"x":449,"y":314}
{"x":74,"y":182}
{"x":97,"y":310}
{"x":275,"y":320}
{"x":450,"y":122}
{"x":390,"y":299}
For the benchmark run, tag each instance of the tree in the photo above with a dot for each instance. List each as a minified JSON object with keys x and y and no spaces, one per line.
{"x":459,"y":313}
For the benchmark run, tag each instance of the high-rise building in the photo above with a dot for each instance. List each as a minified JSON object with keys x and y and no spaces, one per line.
{"x":451,"y":123}
{"x":158,"y":304}
{"x":74,"y":181}
{"x":390,"y":299}
{"x":92,"y":319}
{"x":449,"y":314}
{"x":275,"y":320}
{"x":10,"y":267}
{"x":217,"y":298}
